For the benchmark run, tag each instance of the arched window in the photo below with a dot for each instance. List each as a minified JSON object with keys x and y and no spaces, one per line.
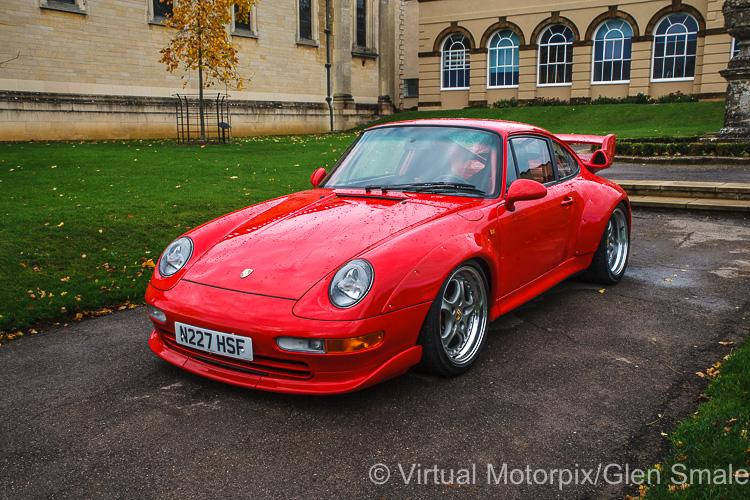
{"x":675,"y":45}
{"x":612,"y":47}
{"x":556,"y":56}
{"x":503,"y":61}
{"x":455,"y":54}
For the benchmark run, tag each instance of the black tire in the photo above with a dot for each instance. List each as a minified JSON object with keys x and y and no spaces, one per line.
{"x":455,"y":328}
{"x":611,"y":257}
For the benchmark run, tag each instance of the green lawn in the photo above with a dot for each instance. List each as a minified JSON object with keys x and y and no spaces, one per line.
{"x":79,"y":220}
{"x":712,"y":440}
{"x":626,"y":120}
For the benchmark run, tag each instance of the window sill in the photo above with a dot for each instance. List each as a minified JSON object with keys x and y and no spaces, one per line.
{"x":63,"y":7}
{"x":307,"y":42}
{"x":449,"y":89}
{"x":554,"y":84}
{"x":364,"y":52}
{"x":502,"y":87}
{"x":668,"y":80}
{"x":619,"y":82}
{"x":158,"y":21}
{"x":245,"y":34}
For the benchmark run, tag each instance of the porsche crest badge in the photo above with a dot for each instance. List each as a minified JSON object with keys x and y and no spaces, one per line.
{"x":246,"y":273}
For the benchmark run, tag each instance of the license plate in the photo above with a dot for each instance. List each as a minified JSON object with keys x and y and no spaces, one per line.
{"x":226,"y":344}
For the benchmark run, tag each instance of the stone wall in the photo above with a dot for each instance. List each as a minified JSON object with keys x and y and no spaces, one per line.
{"x":91,"y":70}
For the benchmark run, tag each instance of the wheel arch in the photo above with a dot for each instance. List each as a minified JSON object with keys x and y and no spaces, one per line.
{"x":423,"y":282}
{"x":596,"y":213}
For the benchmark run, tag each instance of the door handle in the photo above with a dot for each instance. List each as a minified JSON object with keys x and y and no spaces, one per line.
{"x":566,"y":201}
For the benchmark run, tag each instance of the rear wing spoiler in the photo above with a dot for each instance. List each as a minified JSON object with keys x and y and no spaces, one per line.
{"x":599,"y":159}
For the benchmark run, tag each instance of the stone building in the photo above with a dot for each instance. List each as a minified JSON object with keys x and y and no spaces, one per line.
{"x":480,"y":51}
{"x":89,"y":68}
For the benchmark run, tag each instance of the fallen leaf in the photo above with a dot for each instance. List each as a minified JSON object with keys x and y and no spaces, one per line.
{"x":726,"y":343}
{"x":701,"y":374}
{"x":22,"y":264}
{"x":100,"y":230}
{"x":67,"y":278}
{"x":601,"y":291}
{"x":148,"y":263}
{"x":61,"y":224}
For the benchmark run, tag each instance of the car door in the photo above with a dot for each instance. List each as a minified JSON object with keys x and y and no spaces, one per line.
{"x":534,"y":237}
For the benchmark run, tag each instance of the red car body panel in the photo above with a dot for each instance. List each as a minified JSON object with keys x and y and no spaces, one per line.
{"x":295,"y":244}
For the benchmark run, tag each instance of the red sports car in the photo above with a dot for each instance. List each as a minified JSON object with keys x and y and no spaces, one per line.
{"x":420,"y":235}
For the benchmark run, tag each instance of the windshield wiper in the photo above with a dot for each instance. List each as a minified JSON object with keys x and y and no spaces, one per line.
{"x":447,"y":186}
{"x":419,"y":187}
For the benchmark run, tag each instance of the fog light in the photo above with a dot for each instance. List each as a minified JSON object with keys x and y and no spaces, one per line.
{"x":156,"y":313}
{"x":355,"y":344}
{"x":297,"y":344}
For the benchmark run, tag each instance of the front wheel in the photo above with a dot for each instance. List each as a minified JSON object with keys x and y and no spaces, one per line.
{"x":455,"y":328}
{"x":611,"y":258}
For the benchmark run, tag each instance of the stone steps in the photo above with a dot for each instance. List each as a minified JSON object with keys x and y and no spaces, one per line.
{"x":722,"y":196}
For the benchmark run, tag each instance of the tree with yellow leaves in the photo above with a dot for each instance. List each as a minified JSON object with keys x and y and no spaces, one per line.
{"x":203,"y":43}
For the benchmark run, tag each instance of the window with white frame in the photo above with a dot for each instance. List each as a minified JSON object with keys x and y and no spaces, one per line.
{"x":503,"y":59}
{"x":556,"y":56}
{"x":675,"y":46}
{"x":612,"y":50}
{"x":244,"y":27}
{"x":735,"y":48}
{"x":455,"y":57}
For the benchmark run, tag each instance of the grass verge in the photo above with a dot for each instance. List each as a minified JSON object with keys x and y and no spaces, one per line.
{"x":710,"y":455}
{"x":626,"y":120}
{"x":83,"y":222}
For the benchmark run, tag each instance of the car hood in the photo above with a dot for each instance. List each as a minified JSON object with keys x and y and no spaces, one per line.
{"x":298,"y":241}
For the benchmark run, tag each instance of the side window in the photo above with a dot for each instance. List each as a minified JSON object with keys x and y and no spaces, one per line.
{"x":511,"y":173}
{"x":566,"y":164}
{"x":533,"y":159}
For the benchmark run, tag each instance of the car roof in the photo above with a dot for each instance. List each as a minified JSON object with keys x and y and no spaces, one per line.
{"x":500,"y":126}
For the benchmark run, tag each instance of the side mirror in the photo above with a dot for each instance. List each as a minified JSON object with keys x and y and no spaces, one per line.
{"x":524,"y":190}
{"x":317,"y":177}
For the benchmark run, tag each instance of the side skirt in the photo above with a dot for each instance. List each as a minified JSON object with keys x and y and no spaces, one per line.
{"x":541,"y":284}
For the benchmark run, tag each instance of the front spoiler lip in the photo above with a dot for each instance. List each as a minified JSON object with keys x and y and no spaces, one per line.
{"x":320,"y":383}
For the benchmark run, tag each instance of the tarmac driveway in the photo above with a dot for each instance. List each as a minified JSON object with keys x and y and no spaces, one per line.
{"x":582,"y":376}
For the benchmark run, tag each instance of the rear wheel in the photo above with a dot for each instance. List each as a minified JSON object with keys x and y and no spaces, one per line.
{"x":611,"y":257}
{"x":455,"y":328}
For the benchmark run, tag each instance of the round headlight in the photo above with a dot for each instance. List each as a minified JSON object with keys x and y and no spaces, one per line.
{"x":351,"y":283}
{"x":175,"y":256}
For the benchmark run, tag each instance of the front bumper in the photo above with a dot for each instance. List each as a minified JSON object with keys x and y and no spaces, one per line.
{"x":263,"y":319}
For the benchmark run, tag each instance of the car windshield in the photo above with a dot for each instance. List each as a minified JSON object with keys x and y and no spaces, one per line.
{"x":445,"y":160}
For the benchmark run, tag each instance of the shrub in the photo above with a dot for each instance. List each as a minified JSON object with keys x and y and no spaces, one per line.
{"x":505,"y":103}
{"x":682,"y":148}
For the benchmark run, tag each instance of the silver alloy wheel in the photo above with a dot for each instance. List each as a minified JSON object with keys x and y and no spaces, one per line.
{"x":618,"y":241}
{"x":463,"y":315}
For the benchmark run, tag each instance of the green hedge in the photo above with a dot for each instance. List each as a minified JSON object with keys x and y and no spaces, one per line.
{"x":640,"y":98}
{"x":628,"y":148}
